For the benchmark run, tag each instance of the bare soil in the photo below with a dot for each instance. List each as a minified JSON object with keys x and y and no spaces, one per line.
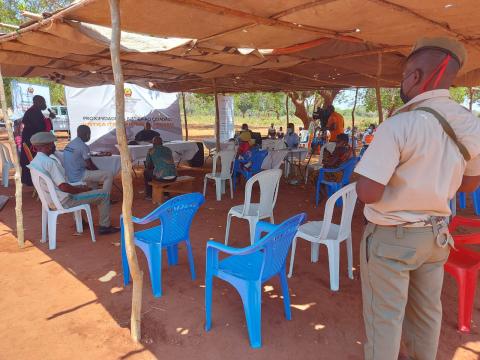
{"x":70,"y":303}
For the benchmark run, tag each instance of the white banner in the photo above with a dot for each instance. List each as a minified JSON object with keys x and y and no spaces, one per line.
{"x":22,"y":97}
{"x":225,"y":112}
{"x":95,"y":107}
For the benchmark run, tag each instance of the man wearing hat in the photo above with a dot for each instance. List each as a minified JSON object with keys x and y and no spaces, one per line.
{"x":419,"y":159}
{"x":69,"y":195}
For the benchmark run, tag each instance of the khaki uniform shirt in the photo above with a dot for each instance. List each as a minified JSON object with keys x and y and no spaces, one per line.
{"x":418,"y":163}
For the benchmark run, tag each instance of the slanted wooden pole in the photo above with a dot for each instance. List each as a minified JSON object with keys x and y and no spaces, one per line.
{"x":217,"y":117}
{"x":185,"y":115}
{"x":137,"y":274}
{"x":379,"y":104}
{"x":16,"y":163}
{"x":353,"y":121}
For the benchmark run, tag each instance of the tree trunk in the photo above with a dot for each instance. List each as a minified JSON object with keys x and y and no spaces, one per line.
{"x":470,"y":102}
{"x":379,"y":104}
{"x":16,"y":163}
{"x":298,"y":101}
{"x":137,"y":274}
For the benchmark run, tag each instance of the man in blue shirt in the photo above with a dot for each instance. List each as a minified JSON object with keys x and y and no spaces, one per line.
{"x":79,"y":167}
{"x":291,"y":139}
{"x":159,"y":165}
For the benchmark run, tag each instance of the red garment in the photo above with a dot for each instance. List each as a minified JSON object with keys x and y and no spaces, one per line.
{"x":48,"y":124}
{"x":243,"y":147}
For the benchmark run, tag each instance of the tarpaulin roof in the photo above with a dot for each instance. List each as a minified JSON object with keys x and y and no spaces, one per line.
{"x":245,"y":45}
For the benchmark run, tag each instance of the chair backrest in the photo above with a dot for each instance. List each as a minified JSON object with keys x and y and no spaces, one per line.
{"x":349,"y":199}
{"x":328,"y":146}
{"x":4,"y":155}
{"x":176,"y":216}
{"x":279,"y":145}
{"x":276,"y":244}
{"x":257,"y":160}
{"x":268,"y":181}
{"x":226,"y":158}
{"x":45,"y":189}
{"x":348,"y":168}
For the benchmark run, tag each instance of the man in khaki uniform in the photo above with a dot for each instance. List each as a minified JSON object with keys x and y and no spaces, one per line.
{"x":410,"y":171}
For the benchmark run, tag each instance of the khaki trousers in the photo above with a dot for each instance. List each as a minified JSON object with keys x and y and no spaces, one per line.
{"x":97,"y":197}
{"x":99,"y":176}
{"x":402,"y":277}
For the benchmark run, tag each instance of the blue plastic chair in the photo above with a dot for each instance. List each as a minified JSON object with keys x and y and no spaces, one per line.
{"x":175,"y":217}
{"x":332,"y":187}
{"x":462,"y":197}
{"x":248,"y":268}
{"x":257,"y":160}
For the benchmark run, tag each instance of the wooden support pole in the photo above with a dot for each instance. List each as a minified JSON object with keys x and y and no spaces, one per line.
{"x":16,"y":163}
{"x":286,"y":106}
{"x":353,"y":121}
{"x":217,"y":117}
{"x":9,"y":26}
{"x":137,"y":274}
{"x":379,"y":104}
{"x":185,"y":115}
{"x":470,"y":95}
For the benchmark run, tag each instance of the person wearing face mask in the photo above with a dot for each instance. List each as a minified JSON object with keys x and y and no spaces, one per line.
{"x":291,"y":139}
{"x":419,"y":159}
{"x":33,"y":122}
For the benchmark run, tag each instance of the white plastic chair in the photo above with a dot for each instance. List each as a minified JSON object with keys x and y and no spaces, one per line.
{"x":253,"y":212}
{"x":330,"y":146}
{"x":226,"y":158}
{"x":330,"y":234}
{"x":7,"y":164}
{"x":49,"y":216}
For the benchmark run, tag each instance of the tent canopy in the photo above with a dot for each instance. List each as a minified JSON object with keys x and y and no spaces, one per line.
{"x":246,"y":45}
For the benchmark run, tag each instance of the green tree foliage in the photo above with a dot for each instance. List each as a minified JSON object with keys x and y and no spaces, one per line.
{"x":245,"y":102}
{"x":390,"y":100}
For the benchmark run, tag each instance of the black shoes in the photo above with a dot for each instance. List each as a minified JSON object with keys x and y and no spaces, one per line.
{"x":104,"y":230}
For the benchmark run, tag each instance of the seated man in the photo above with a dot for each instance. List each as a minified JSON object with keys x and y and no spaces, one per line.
{"x":280,"y":133}
{"x":291,"y":139}
{"x":158,"y":166}
{"x":147,"y":134}
{"x":69,"y":195}
{"x":80,"y":167}
{"x":272,"y":132}
{"x":340,"y":155}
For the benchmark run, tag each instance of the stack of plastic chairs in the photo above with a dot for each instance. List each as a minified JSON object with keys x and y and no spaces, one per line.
{"x":333,"y":187}
{"x":462,"y":197}
{"x":463,"y":264}
{"x":248,"y":268}
{"x":255,"y":167}
{"x":175,"y":217}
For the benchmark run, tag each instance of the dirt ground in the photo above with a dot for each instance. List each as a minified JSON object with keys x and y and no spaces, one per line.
{"x":70,"y":303}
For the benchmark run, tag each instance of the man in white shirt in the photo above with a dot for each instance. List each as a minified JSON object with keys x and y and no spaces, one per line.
{"x":69,"y":195}
{"x":291,"y":139}
{"x":408,"y":174}
{"x":79,"y":167}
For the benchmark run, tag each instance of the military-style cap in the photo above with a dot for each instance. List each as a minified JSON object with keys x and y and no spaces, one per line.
{"x":43,"y":138}
{"x":448,"y":45}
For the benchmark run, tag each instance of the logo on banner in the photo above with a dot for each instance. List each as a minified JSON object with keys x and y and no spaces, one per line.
{"x":128,"y":92}
{"x":30,"y":90}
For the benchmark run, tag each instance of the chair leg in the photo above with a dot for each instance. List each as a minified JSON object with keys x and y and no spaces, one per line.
{"x":350,"y":256}
{"x":223,"y":182}
{"x":208,"y":297}
{"x":52,"y":230}
{"x":172,"y":255}
{"x":90,"y":223}
{"x":227,"y":230}
{"x":190,"y":259}
{"x":125,"y":266}
{"x":252,"y":222}
{"x":78,"y":221}
{"x":205,"y":186}
{"x":154,"y":259}
{"x":466,"y":297}
{"x":333,"y":264}
{"x":218,"y":189}
{"x":231,"y":188}
{"x":306,"y":176}
{"x":272,"y":220}
{"x":314,"y":250}
{"x":292,"y":256}
{"x":317,"y":194}
{"x":44,"y":225}
{"x":285,"y":293}
{"x":5,"y":175}
{"x":252,"y":303}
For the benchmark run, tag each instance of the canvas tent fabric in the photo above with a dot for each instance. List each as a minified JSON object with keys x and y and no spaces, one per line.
{"x":246,"y":45}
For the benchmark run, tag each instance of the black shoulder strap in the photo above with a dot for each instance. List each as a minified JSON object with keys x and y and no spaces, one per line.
{"x":448,"y":130}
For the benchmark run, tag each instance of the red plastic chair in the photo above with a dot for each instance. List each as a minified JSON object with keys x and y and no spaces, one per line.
{"x":463,"y":265}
